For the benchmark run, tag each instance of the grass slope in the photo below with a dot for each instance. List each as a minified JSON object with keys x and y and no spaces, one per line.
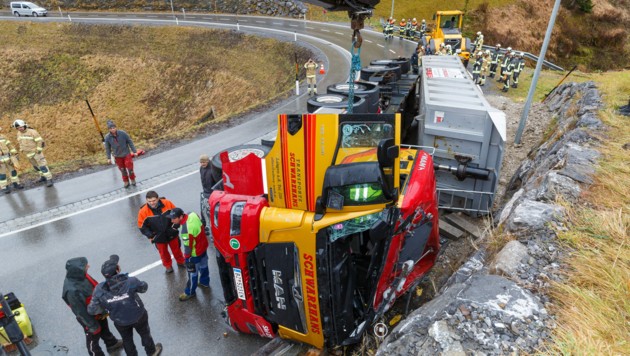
{"x":157,"y":83}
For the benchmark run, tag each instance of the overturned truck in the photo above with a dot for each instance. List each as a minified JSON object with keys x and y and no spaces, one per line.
{"x":317,"y":236}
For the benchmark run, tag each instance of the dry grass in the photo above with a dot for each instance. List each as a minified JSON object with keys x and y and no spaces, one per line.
{"x":157,"y":83}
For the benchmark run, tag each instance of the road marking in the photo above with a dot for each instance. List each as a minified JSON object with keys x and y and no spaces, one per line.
{"x":241,"y":20}
{"x":324,"y":30}
{"x":261,"y":22}
{"x":392,"y":51}
{"x":224,"y":19}
{"x":153,"y":16}
{"x":276,"y":23}
{"x":293,"y":25}
{"x":380,"y":45}
{"x":368,"y":41}
{"x":147,"y":267}
{"x":99,"y":205}
{"x":339,"y":33}
{"x":310,"y":28}
{"x":207,"y":18}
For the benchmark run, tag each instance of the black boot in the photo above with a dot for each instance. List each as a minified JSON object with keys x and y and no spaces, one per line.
{"x":6,"y":190}
{"x":42,"y":179}
{"x":17,"y":185}
{"x":49,"y":182}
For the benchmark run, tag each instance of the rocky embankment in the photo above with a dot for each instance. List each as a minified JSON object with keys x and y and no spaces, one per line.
{"x":500,"y":304}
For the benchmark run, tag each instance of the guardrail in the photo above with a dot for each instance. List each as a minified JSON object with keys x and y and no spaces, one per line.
{"x":533,"y":58}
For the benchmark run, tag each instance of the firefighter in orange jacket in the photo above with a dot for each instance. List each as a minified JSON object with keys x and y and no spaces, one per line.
{"x":154,"y":224}
{"x":402,"y":28}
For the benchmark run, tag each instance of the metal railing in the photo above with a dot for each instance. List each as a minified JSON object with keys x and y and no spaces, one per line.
{"x":464,"y":200}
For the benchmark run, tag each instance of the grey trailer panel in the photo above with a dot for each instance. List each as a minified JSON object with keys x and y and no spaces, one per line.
{"x":456,"y":119}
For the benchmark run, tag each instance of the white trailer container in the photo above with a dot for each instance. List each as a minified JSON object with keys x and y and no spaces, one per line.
{"x":468,"y":135}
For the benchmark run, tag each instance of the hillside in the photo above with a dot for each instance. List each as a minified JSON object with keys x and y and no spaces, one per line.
{"x":158,"y":84}
{"x":595,"y":40}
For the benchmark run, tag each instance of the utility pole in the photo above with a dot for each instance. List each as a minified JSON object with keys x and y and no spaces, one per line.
{"x":532,"y":87}
{"x":391,"y":14}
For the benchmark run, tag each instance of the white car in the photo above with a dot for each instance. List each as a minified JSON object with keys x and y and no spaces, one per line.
{"x":25,"y":8}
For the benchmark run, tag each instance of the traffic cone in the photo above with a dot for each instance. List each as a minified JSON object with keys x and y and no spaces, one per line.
{"x":322,"y":70}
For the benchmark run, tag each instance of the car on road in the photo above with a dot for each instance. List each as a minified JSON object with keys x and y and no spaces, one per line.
{"x":25,"y":8}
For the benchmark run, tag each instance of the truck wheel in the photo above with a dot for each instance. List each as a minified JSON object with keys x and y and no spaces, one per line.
{"x":369,"y":71}
{"x":403,"y":62}
{"x":236,"y":153}
{"x":336,"y":101}
{"x":367,"y":90}
{"x":16,"y":14}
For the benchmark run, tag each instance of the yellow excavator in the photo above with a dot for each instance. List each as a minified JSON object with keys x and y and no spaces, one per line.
{"x":447,"y":29}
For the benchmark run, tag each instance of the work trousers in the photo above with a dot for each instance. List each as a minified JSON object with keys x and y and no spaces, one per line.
{"x":165,"y":256}
{"x":201,"y":274}
{"x":91,"y":340}
{"x":39,"y":163}
{"x":142,"y":328}
{"x":312,"y":84}
{"x":125,"y":164}
{"x":8,"y":174}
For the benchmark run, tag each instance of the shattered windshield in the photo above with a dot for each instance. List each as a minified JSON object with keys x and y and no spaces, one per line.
{"x":352,"y":226}
{"x":365,"y":134}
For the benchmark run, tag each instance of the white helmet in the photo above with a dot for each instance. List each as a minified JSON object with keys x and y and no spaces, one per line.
{"x":521,"y":54}
{"x":402,"y":20}
{"x":423,"y":20}
{"x":487,"y":51}
{"x":509,"y":49}
{"x":448,"y":46}
{"x":479,"y":33}
{"x":414,"y":19}
{"x":441,"y":44}
{"x":19,"y":123}
{"x":498,"y":45}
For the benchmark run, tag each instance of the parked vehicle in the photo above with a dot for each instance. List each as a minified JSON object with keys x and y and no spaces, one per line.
{"x":25,"y":8}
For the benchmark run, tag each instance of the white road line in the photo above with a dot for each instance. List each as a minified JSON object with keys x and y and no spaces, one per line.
{"x":380,"y":45}
{"x":310,"y":28}
{"x":207,"y":18}
{"x":153,"y":16}
{"x":224,"y":19}
{"x":392,"y":51}
{"x":99,"y":206}
{"x":368,"y":41}
{"x":261,"y":22}
{"x":146,"y":268}
{"x":241,"y":20}
{"x":339,"y":33}
{"x":324,"y":30}
{"x":293,"y":25}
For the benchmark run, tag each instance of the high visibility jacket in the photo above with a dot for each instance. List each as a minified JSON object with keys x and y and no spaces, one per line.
{"x":504,"y":62}
{"x":402,"y":24}
{"x":485,"y":64}
{"x":414,"y":24}
{"x":193,"y":236}
{"x":509,"y":67}
{"x":496,"y":57}
{"x":477,"y":66}
{"x":6,"y":147}
{"x":30,"y":141}
{"x":519,"y":65}
{"x":311,"y":68}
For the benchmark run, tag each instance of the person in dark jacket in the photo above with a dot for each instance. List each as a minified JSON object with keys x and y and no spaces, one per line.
{"x":207,"y":182}
{"x":119,"y":144}
{"x":118,"y":296}
{"x":153,"y":224}
{"x":77,"y":293}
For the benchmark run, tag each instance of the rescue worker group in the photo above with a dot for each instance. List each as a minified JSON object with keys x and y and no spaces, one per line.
{"x":505,"y":65}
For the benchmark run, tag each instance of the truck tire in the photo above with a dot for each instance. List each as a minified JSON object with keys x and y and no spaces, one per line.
{"x":367,"y":90}
{"x":336,"y":101}
{"x":403,"y":62}
{"x":369,"y":71}
{"x":236,"y":153}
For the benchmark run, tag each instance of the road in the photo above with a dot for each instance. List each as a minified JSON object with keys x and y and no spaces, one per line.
{"x":93,"y":216}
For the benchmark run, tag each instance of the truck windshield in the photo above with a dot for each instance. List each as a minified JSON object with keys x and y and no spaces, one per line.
{"x":364,"y":135}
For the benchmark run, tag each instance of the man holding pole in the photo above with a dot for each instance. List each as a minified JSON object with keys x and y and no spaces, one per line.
{"x":119,"y":144}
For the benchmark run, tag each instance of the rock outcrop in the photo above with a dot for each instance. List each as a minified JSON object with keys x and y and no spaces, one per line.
{"x":499,"y":306}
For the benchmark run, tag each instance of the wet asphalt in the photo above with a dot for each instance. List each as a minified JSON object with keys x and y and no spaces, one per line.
{"x":32,"y":262}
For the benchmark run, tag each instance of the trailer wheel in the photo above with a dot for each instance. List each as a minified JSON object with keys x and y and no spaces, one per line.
{"x":336,"y":101}
{"x":369,"y":71}
{"x":236,"y":153}
{"x":368,"y":90}
{"x":403,"y":62}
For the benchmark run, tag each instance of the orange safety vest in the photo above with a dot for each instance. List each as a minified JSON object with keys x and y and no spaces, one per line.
{"x":403,"y":23}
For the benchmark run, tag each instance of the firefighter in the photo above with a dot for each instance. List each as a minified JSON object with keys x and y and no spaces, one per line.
{"x":476,"y":72}
{"x":8,"y":165}
{"x":478,"y":45}
{"x":495,"y":59}
{"x":449,"y":50}
{"x":32,"y":144}
{"x":423,"y":27}
{"x":311,"y":68}
{"x":388,"y":29}
{"x":504,"y":62}
{"x":414,"y":28}
{"x":408,"y":29}
{"x":442,"y":50}
{"x":507,"y":72}
{"x":519,"y":65}
{"x":485,"y":66}
{"x":402,"y":27}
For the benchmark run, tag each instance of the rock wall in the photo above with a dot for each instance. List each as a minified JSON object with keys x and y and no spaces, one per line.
{"x":500,"y":306}
{"x":289,"y":8}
